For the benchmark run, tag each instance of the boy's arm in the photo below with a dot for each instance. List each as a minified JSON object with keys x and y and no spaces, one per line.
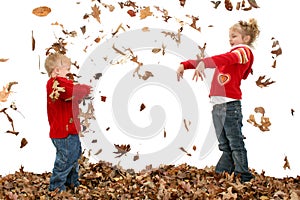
{"x":190,"y":64}
{"x":65,"y":89}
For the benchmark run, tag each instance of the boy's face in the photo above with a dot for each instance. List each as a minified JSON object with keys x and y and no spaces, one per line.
{"x":63,"y":70}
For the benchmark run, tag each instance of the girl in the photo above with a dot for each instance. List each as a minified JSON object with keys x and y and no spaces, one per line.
{"x":225,"y":95}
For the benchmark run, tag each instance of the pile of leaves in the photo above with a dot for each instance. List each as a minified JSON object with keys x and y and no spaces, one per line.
{"x":102,"y":180}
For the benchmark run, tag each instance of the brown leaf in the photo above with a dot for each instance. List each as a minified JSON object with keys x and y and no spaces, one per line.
{"x":32,"y":42}
{"x":253,"y":3}
{"x":131,"y":13}
{"x":142,"y":107}
{"x":186,"y":124}
{"x":216,"y":4}
{"x":41,"y":11}
{"x":122,"y":149}
{"x":182,"y":2}
{"x":136,"y":157}
{"x":260,"y":110}
{"x":263,"y":83}
{"x":23,"y":143}
{"x":185,"y":151}
{"x":165,"y":133}
{"x":286,"y":163}
{"x":144,"y":13}
{"x":292,"y":111}
{"x":3,"y":59}
{"x":96,"y":13}
{"x":228,"y":5}
{"x":103,"y":98}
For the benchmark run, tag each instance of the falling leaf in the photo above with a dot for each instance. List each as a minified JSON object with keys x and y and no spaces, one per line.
{"x":165,"y":133}
{"x":97,"y":76}
{"x":122,"y":149}
{"x":83,"y":29}
{"x":32,"y":42}
{"x":142,"y":106}
{"x":292,"y":111}
{"x":216,"y":3}
{"x":260,"y":110}
{"x":13,"y":132}
{"x":264,"y":121}
{"x":107,"y":129}
{"x":3,"y":59}
{"x":145,"y":12}
{"x":41,"y":11}
{"x":23,"y":143}
{"x":263,"y":83}
{"x":6,"y":91}
{"x":97,"y":40}
{"x":136,"y":157}
{"x":131,"y":13}
{"x":185,"y":151}
{"x":286,"y":163}
{"x":98,"y":152}
{"x":194,"y":148}
{"x":228,"y":5}
{"x":103,"y":98}
{"x":253,"y":3}
{"x":186,"y":124}
{"x":156,"y":50}
{"x":94,"y":141}
{"x":182,"y":2}
{"x":96,"y":13}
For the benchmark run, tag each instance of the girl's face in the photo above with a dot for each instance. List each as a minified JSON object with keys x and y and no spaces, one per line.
{"x":236,"y":38}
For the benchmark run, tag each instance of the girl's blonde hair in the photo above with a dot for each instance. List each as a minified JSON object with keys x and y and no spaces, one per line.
{"x":247,"y":28}
{"x":56,"y":60}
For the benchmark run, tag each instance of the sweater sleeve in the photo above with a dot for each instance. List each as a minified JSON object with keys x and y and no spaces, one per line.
{"x":237,"y":56}
{"x":190,"y":64}
{"x":67,"y":90}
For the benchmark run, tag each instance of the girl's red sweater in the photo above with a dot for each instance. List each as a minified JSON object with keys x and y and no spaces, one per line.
{"x":63,"y":98}
{"x":231,"y":68}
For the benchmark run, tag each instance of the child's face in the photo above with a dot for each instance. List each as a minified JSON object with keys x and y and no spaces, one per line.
{"x":63,"y":70}
{"x":236,"y":38}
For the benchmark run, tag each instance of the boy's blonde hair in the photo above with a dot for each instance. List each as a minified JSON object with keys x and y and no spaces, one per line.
{"x":56,"y":60}
{"x":247,"y":28}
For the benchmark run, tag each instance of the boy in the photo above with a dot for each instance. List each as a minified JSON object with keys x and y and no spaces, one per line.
{"x":63,"y":98}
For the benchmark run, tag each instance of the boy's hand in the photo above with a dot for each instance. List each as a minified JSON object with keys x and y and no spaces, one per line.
{"x":180,"y":71}
{"x":199,"y":71}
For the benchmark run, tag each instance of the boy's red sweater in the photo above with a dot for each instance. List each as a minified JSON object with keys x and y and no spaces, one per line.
{"x":63,"y":107}
{"x":231,"y":68}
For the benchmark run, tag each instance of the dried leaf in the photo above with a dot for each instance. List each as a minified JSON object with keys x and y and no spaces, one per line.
{"x":253,"y":3}
{"x":3,"y":59}
{"x":96,"y":13}
{"x":122,"y":149}
{"x":263,"y":83}
{"x":144,"y":13}
{"x":228,"y":5}
{"x":103,"y":98}
{"x":165,"y":133}
{"x":185,"y":151}
{"x":98,"y":152}
{"x":292,"y":111}
{"x":23,"y":143}
{"x":41,"y":11}
{"x":136,"y":157}
{"x":286,"y":163}
{"x":182,"y":2}
{"x":142,"y":107}
{"x":56,"y":90}
{"x":187,"y":123}
{"x":131,"y":13}
{"x":216,"y":3}
{"x":32,"y":42}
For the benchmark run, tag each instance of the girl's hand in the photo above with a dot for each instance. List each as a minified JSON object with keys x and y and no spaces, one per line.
{"x":180,"y":71}
{"x":199,"y":71}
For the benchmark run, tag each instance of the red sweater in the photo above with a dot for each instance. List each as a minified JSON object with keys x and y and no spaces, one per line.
{"x":63,"y":98}
{"x":231,"y":68}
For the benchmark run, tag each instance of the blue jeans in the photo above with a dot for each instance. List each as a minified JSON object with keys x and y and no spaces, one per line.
{"x":227,"y":119}
{"x":65,"y":170}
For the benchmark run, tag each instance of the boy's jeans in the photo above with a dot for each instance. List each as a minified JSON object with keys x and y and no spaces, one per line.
{"x":65,"y":170}
{"x":227,"y":119}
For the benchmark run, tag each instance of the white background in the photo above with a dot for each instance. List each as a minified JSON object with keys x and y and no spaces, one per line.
{"x":266,"y":150}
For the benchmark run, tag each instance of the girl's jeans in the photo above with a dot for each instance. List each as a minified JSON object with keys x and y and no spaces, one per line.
{"x":227,"y":119}
{"x":65,"y":170}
